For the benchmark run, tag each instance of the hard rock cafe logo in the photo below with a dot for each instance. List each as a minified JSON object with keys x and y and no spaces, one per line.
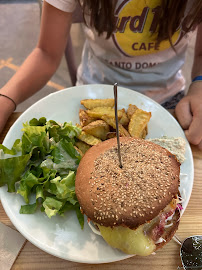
{"x":137,"y":26}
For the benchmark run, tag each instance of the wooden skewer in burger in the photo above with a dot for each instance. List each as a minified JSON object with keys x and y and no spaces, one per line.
{"x":129,"y":189}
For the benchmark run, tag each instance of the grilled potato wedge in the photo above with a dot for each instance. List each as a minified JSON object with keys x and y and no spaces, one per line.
{"x":124,"y":119}
{"x":131,"y":109}
{"x":138,"y":123}
{"x":112,"y":122}
{"x":93,"y":103}
{"x":84,"y":118}
{"x":98,"y":112}
{"x":82,"y":146}
{"x":89,"y":139}
{"x":98,"y":128}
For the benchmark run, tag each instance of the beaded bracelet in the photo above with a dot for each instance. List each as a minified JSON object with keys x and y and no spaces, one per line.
{"x":10,"y":99}
{"x":197,"y":79}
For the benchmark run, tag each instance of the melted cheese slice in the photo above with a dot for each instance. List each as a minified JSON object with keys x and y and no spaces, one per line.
{"x":127,"y":240}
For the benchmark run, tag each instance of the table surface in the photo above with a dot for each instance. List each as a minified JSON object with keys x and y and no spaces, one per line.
{"x":167,"y":258}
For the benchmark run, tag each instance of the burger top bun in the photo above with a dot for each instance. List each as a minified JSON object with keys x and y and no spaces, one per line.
{"x":131,"y":195}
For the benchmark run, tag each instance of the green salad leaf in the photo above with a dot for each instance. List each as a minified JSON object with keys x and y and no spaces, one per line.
{"x":44,"y":163}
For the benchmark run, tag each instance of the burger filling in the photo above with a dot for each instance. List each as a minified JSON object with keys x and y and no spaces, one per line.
{"x":143,"y":240}
{"x":127,"y":240}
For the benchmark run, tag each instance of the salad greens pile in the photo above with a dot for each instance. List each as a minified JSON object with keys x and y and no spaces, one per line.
{"x":43,"y":162}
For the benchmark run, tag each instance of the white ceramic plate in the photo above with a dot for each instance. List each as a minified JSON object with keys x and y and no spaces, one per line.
{"x":62,"y":236}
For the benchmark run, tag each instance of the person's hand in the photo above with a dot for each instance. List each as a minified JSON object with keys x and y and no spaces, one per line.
{"x":189,"y":114}
{"x":6,"y":109}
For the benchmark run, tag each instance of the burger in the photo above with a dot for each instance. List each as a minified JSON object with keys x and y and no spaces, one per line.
{"x":136,"y":207}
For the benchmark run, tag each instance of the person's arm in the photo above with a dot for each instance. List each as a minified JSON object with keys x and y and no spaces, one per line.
{"x":189,"y":109}
{"x":41,"y":64}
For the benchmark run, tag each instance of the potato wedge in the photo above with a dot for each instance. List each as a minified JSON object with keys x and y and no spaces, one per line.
{"x":131,"y":109}
{"x":98,"y":112}
{"x":111,"y":135}
{"x":112,"y":122}
{"x":78,"y":150}
{"x":98,"y":128}
{"x":84,"y":118}
{"x":87,"y":138}
{"x":146,"y":129}
{"x":124,"y":119}
{"x":93,"y":103}
{"x":138,"y":123}
{"x":144,"y":133}
{"x":82,"y":146}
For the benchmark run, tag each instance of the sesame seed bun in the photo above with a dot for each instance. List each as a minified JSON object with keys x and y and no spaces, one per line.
{"x":128,"y":196}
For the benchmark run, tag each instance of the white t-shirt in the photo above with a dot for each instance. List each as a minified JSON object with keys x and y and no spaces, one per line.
{"x":132,"y":57}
